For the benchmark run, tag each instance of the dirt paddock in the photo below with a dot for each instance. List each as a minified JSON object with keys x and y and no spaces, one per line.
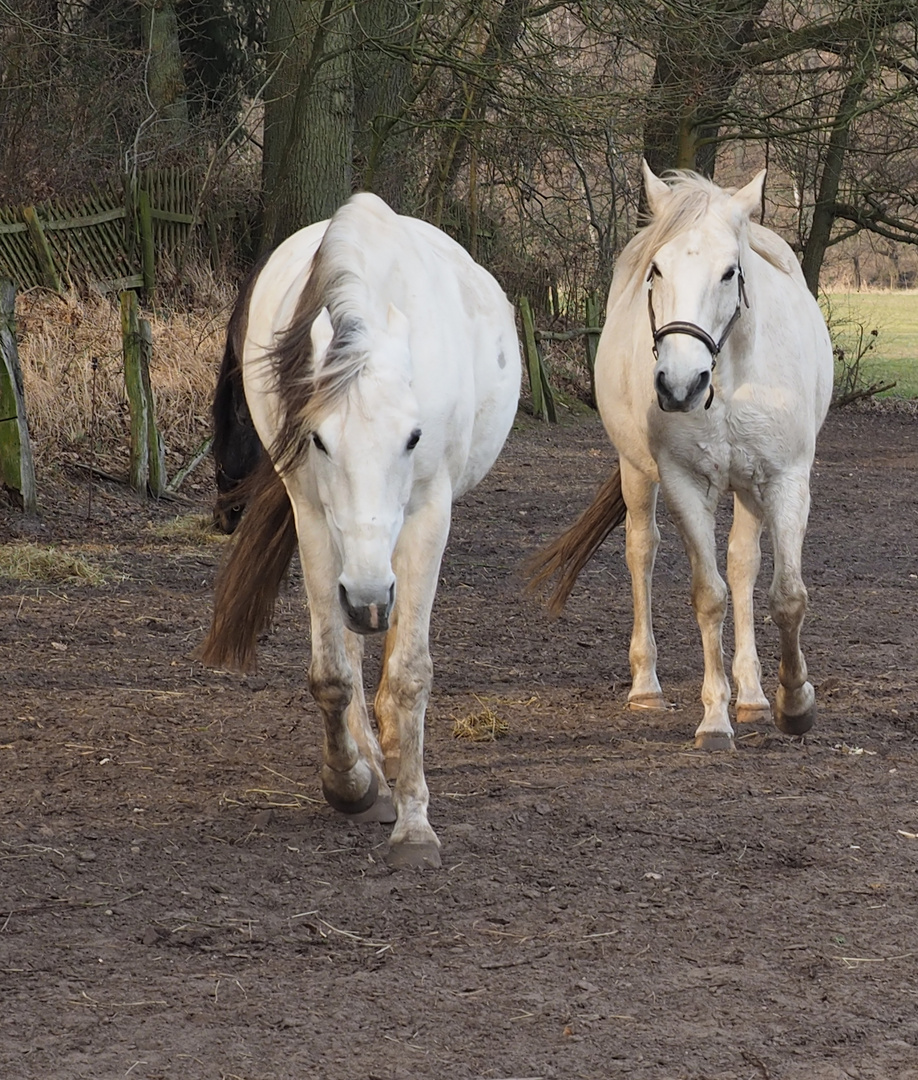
{"x":176,"y":901}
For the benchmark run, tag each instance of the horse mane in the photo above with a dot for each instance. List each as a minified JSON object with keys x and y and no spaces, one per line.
{"x":306,"y":394}
{"x":692,"y":196}
{"x":774,"y":250}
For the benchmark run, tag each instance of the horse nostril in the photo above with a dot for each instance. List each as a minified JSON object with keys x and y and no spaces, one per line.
{"x":660,"y":381}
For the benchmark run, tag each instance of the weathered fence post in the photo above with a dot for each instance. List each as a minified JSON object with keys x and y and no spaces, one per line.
{"x":17,"y":469}
{"x":49,"y":275}
{"x":148,"y":462}
{"x":591,"y":341}
{"x":543,"y":401}
{"x":137,"y":399}
{"x":155,"y":448}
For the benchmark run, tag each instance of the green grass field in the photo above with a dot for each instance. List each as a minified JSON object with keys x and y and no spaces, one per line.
{"x":894,"y":356}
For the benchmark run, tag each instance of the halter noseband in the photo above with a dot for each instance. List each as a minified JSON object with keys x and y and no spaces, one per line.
{"x":678,"y":326}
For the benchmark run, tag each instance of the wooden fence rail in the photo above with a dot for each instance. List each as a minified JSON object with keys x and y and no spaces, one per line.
{"x":112,"y":239}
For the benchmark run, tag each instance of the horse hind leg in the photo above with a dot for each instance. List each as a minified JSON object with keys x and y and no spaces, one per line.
{"x":795,"y":704}
{"x":386,"y":711}
{"x":642,"y":538}
{"x":744,"y":558}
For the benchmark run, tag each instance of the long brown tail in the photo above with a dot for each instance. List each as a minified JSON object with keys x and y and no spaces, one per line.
{"x":565,"y":557}
{"x":250,"y":579}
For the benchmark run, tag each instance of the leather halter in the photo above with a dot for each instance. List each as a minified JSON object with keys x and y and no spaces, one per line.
{"x":679,"y":326}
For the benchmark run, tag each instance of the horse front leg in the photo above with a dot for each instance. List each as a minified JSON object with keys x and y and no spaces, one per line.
{"x":788,"y":508}
{"x":693,"y":513}
{"x":642,"y":538}
{"x":349,"y":782}
{"x":744,"y":557}
{"x":401,"y":701}
{"x":358,"y":722}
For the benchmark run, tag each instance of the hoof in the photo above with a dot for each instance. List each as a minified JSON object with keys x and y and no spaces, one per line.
{"x":406,"y":856}
{"x":345,"y":806}
{"x":796,"y":725}
{"x":714,"y":740}
{"x":637,"y":702}
{"x":753,"y":714}
{"x":383,"y":811}
{"x":798,"y":722}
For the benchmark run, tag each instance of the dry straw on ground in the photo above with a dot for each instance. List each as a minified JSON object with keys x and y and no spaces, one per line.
{"x":483,"y":726}
{"x":196,"y":530}
{"x":47,"y":565}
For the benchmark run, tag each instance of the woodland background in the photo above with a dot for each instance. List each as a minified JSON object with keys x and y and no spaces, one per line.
{"x":516,"y":125}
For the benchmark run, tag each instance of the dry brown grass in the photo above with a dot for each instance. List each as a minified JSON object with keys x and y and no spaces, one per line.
{"x":192,"y":530}
{"x":70,"y":351}
{"x":47,"y":565}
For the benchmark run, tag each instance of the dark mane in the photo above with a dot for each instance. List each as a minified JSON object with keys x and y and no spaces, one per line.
{"x":306,"y":394}
{"x":236,"y":449}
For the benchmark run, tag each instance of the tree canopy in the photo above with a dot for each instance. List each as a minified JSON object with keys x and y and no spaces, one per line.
{"x":516,"y":125}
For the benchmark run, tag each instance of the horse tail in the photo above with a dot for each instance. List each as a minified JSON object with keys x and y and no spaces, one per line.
{"x":236,"y":447}
{"x":566,"y":556}
{"x":250,"y":579}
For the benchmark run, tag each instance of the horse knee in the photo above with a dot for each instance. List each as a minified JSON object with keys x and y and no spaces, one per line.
{"x":332,"y":693}
{"x":407,"y":682}
{"x":709,"y":599}
{"x":787,"y":604}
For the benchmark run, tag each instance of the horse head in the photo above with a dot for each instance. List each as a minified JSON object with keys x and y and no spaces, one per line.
{"x":363,"y":462}
{"x":695,"y":288}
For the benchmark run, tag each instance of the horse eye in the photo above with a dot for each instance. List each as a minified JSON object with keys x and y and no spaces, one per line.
{"x":413,"y":439}
{"x":729,"y":274}
{"x":655,"y":270}
{"x":317,"y":442}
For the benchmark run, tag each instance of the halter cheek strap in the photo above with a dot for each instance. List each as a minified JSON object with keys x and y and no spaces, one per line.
{"x":678,"y":326}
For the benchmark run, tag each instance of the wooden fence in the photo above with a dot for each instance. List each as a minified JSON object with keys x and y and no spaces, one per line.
{"x":543,"y":396}
{"x":112,"y":239}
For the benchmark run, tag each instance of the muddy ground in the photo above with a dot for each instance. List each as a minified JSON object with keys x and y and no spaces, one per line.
{"x":177,"y":901}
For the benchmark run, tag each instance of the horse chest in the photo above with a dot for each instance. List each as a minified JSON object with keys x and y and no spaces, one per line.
{"x":720,"y":459}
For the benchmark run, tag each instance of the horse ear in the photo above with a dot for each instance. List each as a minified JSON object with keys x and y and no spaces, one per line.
{"x":321,"y":332}
{"x":748,"y":200}
{"x":658,"y":191}
{"x":397,"y":323}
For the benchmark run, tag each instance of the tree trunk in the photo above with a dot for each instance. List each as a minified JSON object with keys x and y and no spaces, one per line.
{"x":814,"y":251}
{"x":698,"y":65}
{"x":309,"y":118}
{"x":165,"y":81}
{"x":383,"y":91}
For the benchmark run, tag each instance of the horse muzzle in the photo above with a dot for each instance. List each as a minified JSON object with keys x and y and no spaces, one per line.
{"x":672,"y":398}
{"x":366,"y":614}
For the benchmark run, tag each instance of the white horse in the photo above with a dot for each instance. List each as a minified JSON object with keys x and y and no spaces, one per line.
{"x":381,"y":367}
{"x":713,"y":374}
